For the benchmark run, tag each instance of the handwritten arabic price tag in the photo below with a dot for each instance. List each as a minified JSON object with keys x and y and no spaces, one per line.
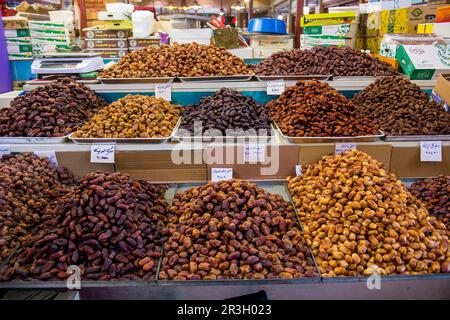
{"x":102,"y":153}
{"x":341,"y":147}
{"x":275,"y":88}
{"x":51,"y":155}
{"x":4,"y":150}
{"x":298,"y":170}
{"x":431,"y":151}
{"x":218,"y":174}
{"x":163,"y":90}
{"x":254,"y":153}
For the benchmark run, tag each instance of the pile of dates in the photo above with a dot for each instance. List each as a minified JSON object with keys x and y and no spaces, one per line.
{"x":314,"y":109}
{"x":360,"y":220}
{"x":109,"y":226}
{"x":399,"y":107}
{"x":226,"y":112}
{"x":234,"y":230}
{"x":54,"y":110}
{"x":28,"y":185}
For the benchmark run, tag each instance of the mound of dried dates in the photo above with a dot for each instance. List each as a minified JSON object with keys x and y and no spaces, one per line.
{"x":323,"y":61}
{"x":54,"y":110}
{"x":435,"y":194}
{"x":226,"y":109}
{"x":360,"y":220}
{"x":314,"y":109}
{"x":28,"y":185}
{"x":234,"y":230}
{"x":177,"y":60}
{"x":133,"y":116}
{"x":399,"y":108}
{"x":110,"y":226}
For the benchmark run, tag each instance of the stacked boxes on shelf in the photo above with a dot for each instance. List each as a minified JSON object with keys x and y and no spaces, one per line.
{"x":110,"y":44}
{"x":17,"y":34}
{"x":266,"y":45}
{"x":140,"y":43}
{"x":49,"y":37}
{"x":329,"y":29}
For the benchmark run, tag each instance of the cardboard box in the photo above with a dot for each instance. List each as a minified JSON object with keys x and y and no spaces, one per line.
{"x":106,"y":43}
{"x":425,"y":28}
{"x":272,"y":42}
{"x":49,"y":25}
{"x":13,"y":23}
{"x":259,"y":53}
{"x":442,"y":87}
{"x":391,"y":42}
{"x":144,"y":42}
{"x":18,"y":48}
{"x":40,"y":49}
{"x":79,"y":163}
{"x":346,"y":30}
{"x":392,"y":61}
{"x":52,"y":33}
{"x":17,"y":33}
{"x":20,"y":56}
{"x":117,"y":25}
{"x":158,"y":166}
{"x":95,"y":32}
{"x":110,"y":53}
{"x":420,"y":62}
{"x":53,"y":40}
{"x":324,"y":19}
{"x":443,"y":14}
{"x":279,"y":162}
{"x":310,"y":154}
{"x":442,"y":29}
{"x":307,"y":41}
{"x":405,"y":162}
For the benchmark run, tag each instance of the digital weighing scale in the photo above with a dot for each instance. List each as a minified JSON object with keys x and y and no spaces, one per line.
{"x":66,"y":64}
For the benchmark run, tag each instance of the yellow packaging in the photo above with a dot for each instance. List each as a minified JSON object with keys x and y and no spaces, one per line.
{"x":117,"y":24}
{"x":368,"y":43}
{"x":323,"y":19}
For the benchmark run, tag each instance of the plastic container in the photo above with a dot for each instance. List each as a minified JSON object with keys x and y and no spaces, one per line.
{"x":143,"y":23}
{"x":267,"y":25}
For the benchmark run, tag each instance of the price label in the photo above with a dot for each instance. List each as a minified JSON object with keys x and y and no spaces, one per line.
{"x":275,"y":88}
{"x":431,"y":151}
{"x":254,"y":153}
{"x":4,"y":150}
{"x":103,"y":153}
{"x":51,"y":155}
{"x":341,"y":147}
{"x":163,"y":90}
{"x":298,"y":170}
{"x":218,"y":174}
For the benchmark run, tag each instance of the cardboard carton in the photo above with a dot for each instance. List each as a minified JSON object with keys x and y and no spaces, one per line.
{"x":442,"y":87}
{"x":95,"y":32}
{"x":144,"y":42}
{"x":110,"y":53}
{"x":106,"y":43}
{"x":307,"y":41}
{"x":13,"y":23}
{"x":17,"y":33}
{"x":272,"y":42}
{"x":443,"y":14}
{"x":420,"y":62}
{"x":323,"y":19}
{"x":346,"y":30}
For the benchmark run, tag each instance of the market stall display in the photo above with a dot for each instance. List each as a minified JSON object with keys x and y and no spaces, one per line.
{"x":435,"y":194}
{"x":400,"y":108}
{"x":314,"y":109}
{"x":133,"y":116}
{"x":178,"y":60}
{"x":54,"y":110}
{"x":28,"y":186}
{"x":360,"y":220}
{"x":109,"y":225}
{"x":234,"y":230}
{"x":323,"y":61}
{"x":227,"y":112}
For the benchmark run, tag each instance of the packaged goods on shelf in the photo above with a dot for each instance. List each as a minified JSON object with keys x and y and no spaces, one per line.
{"x":391,"y":42}
{"x":425,"y":28}
{"x":308,"y":41}
{"x":14,"y":23}
{"x":52,"y":33}
{"x":117,"y":25}
{"x":40,"y":49}
{"x":442,"y":29}
{"x":443,"y":14}
{"x":17,"y":33}
{"x":272,"y":42}
{"x":134,"y":116}
{"x":369,"y":43}
{"x":51,"y":26}
{"x":324,"y":61}
{"x":18,"y":47}
{"x":324,"y":19}
{"x":241,"y":221}
{"x":314,"y":109}
{"x":144,"y":42}
{"x":106,"y":43}
{"x":105,"y":256}
{"x":20,"y":56}
{"x":49,"y":182}
{"x":200,"y":60}
{"x":113,"y":15}
{"x":346,"y":30}
{"x":96,"y":33}
{"x":423,"y":62}
{"x":110,"y":53}
{"x":434,"y":194}
{"x":363,"y":221}
{"x":400,"y":108}
{"x":226,"y":109}
{"x":64,"y":105}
